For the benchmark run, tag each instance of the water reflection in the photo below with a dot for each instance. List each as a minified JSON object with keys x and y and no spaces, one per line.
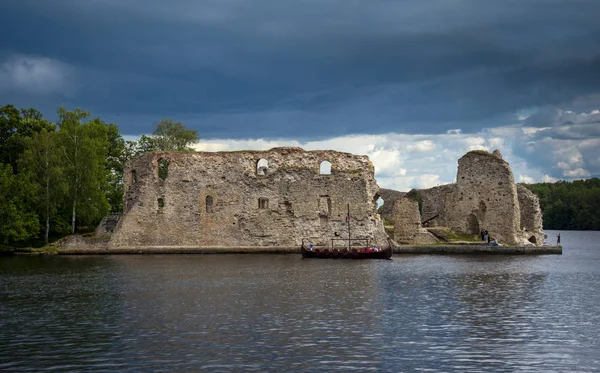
{"x":283,"y":313}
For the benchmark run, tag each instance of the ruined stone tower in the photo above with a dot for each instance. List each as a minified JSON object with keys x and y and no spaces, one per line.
{"x":485,"y":197}
{"x":248,"y":198}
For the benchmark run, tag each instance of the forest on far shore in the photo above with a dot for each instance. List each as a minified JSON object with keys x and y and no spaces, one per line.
{"x":569,"y":205}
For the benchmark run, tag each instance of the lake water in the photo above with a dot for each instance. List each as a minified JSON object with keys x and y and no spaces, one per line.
{"x":281,"y":313}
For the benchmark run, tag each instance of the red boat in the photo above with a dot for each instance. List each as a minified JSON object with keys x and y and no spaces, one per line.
{"x":346,"y":253}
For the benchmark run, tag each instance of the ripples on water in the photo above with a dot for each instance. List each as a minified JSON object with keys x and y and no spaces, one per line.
{"x":283,"y":313}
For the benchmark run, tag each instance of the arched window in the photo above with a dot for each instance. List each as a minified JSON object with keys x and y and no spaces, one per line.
{"x":261,"y":167}
{"x":161,"y":202}
{"x":163,"y":168}
{"x":325,"y":168}
{"x":209,"y":204}
{"x":133,"y":177}
{"x":263,"y":203}
{"x":379,"y":204}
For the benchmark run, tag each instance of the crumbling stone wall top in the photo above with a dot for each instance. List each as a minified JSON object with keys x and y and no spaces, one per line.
{"x":389,"y":196}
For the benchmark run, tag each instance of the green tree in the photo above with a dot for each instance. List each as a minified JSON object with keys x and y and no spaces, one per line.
{"x":173,"y":136}
{"x":85,"y":147}
{"x":16,"y":126}
{"x":167,"y":136}
{"x":117,"y":156}
{"x":570,"y":205}
{"x":18,"y":221}
{"x":42,"y":161}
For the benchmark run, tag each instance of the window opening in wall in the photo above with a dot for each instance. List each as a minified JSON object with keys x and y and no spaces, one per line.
{"x":133,"y":177}
{"x":324,"y":205}
{"x":209,"y":204}
{"x":161,"y":203}
{"x":325,"y":168}
{"x":378,"y":201}
{"x":261,"y":167}
{"x":163,"y":168}
{"x":263,"y":203}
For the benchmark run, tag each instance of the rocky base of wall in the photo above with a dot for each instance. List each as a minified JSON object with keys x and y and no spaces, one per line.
{"x":478,"y":249}
{"x":95,"y":250}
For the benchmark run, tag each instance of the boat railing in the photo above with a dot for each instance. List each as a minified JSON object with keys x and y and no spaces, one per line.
{"x":348,"y":242}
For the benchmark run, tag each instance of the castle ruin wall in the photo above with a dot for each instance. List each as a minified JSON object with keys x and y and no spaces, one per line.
{"x":247,"y":198}
{"x":531,"y":216}
{"x":389,"y":196}
{"x":485,"y":197}
{"x":407,"y":223}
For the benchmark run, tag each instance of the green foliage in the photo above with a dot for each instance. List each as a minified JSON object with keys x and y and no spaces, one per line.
{"x":481,"y":152}
{"x":168,"y":136}
{"x":18,"y":221}
{"x":85,"y":148}
{"x":173,"y":136}
{"x":163,"y":168}
{"x":115,"y":161}
{"x":16,"y":126}
{"x":462,"y":236}
{"x":415,"y":196}
{"x":56,"y":180}
{"x":41,"y":160}
{"x":569,"y":205}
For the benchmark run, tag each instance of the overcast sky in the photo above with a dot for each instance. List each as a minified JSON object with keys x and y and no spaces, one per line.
{"x":414,"y":84}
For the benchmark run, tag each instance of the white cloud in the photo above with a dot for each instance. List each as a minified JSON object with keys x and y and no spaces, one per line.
{"x":526,"y":179}
{"x":427,"y":181}
{"x":578,"y":172}
{"x":35,"y":75}
{"x":548,"y":179}
{"x":421,"y":146}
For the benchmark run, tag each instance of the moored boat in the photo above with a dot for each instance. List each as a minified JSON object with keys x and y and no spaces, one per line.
{"x":346,"y":253}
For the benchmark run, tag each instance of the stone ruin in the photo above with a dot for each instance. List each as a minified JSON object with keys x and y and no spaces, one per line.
{"x":389,"y":195}
{"x":248,"y":199}
{"x":276,"y":198}
{"x":485,"y":197}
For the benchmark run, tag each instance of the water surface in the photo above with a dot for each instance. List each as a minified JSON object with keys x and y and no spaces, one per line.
{"x":278,"y":313}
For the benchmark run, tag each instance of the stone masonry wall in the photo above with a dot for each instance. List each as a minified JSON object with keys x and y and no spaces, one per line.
{"x":389,"y":196}
{"x":248,"y":198}
{"x":531,"y":215}
{"x":484,"y":197}
{"x":407,"y":223}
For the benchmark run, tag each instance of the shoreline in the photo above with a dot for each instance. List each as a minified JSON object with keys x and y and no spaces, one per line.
{"x":398,"y":250}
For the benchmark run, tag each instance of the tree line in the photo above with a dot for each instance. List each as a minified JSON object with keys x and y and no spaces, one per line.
{"x":569,"y":205}
{"x":58,"y":177}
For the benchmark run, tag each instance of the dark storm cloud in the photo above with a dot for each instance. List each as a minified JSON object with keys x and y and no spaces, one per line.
{"x":304,"y":68}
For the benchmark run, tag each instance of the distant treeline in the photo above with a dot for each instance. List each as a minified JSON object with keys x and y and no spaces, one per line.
{"x":569,"y":205}
{"x":58,"y":177}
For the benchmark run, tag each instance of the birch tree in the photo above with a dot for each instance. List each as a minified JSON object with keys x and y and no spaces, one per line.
{"x":42,"y":160}
{"x":84,"y":152}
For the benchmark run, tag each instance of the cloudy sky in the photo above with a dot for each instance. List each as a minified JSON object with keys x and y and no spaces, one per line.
{"x":414,"y":84}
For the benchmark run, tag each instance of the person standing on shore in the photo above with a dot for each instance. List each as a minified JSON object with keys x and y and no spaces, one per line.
{"x":558,"y":239}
